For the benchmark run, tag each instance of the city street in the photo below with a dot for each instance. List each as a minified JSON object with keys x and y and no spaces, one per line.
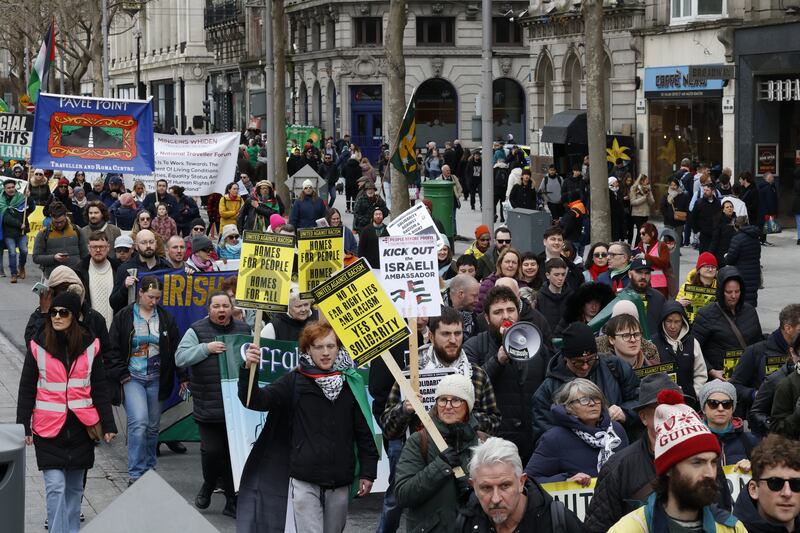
{"x":108,"y":478}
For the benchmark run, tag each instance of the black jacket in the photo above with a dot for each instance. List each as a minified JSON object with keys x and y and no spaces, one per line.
{"x":121,"y":335}
{"x":119,"y":296}
{"x":522,"y":196}
{"x":152,"y":199}
{"x":721,"y":238}
{"x":684,"y":356}
{"x":82,"y":270}
{"x":749,"y":196}
{"x":712,"y":330}
{"x":761,"y":410}
{"x":705,"y":216}
{"x":71,"y":449}
{"x":746,"y":511}
{"x":679,"y":203}
{"x":323,"y":432}
{"x":574,"y":272}
{"x":552,"y":305}
{"x":655,"y":306}
{"x":573,"y":309}
{"x":368,"y":244}
{"x":745,"y":254}
{"x":514,"y":385}
{"x":538,"y":516}
{"x":749,"y":373}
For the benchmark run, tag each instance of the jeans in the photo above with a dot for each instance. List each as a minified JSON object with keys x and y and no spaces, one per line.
{"x":215,"y":458}
{"x":391,"y":512}
{"x":12,"y":244}
{"x":144,"y":414}
{"x":797,"y":221}
{"x":64,"y":490}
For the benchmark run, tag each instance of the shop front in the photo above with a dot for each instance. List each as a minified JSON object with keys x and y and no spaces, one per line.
{"x":684,"y":121}
{"x":768,"y":103}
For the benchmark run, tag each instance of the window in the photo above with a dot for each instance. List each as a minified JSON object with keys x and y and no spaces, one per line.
{"x":302,"y":39}
{"x":505,"y":32}
{"x":688,"y":10}
{"x":368,"y":31}
{"x":316,"y":36}
{"x":330,"y":34}
{"x":436,"y":31}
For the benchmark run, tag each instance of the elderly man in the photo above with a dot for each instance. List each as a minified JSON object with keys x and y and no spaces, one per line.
{"x":61,"y":243}
{"x":461,"y":295}
{"x":619,"y":263}
{"x":175,"y":248}
{"x":96,"y":215}
{"x":505,"y":499}
{"x":143,"y":262}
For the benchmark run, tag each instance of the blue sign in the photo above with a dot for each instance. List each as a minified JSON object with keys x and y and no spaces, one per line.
{"x":93,"y":134}
{"x":675,"y":82}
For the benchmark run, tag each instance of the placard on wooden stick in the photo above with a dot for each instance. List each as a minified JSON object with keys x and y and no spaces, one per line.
{"x":265,"y":271}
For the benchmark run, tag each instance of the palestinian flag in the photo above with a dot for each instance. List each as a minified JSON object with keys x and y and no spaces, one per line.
{"x":404,"y":158}
{"x":41,"y":66}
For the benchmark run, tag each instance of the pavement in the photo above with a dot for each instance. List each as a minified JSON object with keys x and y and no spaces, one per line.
{"x":108,"y":478}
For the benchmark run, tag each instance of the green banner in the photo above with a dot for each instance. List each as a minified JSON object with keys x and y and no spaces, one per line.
{"x":300,"y":134}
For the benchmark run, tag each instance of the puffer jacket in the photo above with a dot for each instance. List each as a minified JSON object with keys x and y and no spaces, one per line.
{"x":760,"y":411}
{"x":712,"y":330}
{"x":652,"y":519}
{"x":71,"y":449}
{"x":614,"y":376}
{"x":514,"y":385}
{"x":745,"y":254}
{"x":736,"y":443}
{"x":749,"y":373}
{"x":785,"y":419}
{"x":561,"y":453}
{"x":426,"y":486}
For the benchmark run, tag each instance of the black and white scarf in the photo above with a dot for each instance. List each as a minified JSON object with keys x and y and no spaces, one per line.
{"x":330,"y":381}
{"x":429,"y":360}
{"x":606,"y":441}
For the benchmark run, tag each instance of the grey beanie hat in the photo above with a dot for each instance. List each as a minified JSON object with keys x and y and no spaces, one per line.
{"x":717,"y":385}
{"x":201,"y":242}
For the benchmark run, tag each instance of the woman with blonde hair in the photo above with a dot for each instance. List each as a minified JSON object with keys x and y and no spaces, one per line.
{"x":641,"y":198}
{"x":508,"y":265}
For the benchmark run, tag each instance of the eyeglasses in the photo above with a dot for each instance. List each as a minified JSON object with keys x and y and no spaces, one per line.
{"x":586,"y":401}
{"x":614,"y":254}
{"x":726,"y":404}
{"x":60,"y":312}
{"x":632,"y":336}
{"x":98,"y":246}
{"x":600,"y":255}
{"x":455,"y":402}
{"x":776,"y":484}
{"x":503,"y":241}
{"x":589,"y":361}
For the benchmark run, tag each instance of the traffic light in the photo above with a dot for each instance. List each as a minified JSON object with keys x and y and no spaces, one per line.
{"x":207,"y":107}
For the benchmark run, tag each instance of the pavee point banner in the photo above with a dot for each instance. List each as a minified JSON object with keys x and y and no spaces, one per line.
{"x":16,"y":134}
{"x":363,"y":317}
{"x":93,"y":134}
{"x":320,"y":252}
{"x":265,"y":271}
{"x":410,"y":274}
{"x":201,"y":164}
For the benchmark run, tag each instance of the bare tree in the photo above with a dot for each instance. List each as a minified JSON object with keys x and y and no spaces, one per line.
{"x":595,"y":121}
{"x":396,"y":74}
{"x":278,"y":129}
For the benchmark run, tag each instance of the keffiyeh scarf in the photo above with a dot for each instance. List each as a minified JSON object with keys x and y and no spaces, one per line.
{"x":330,"y":381}
{"x":428,"y":360}
{"x":606,"y":441}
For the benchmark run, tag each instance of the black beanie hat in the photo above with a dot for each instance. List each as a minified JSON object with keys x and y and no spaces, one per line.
{"x":198,"y":222}
{"x":68,"y":300}
{"x":578,"y":341}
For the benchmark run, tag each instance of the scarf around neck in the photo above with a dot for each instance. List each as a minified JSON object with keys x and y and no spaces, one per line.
{"x":623,"y":270}
{"x":429,"y":360}
{"x":329,"y":381}
{"x":596,"y":270}
{"x":606,"y":441}
{"x":204,"y":266}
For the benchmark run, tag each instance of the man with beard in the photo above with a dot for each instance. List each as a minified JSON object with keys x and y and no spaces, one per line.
{"x":143,"y":262}
{"x":369,"y":237}
{"x":96,"y":216}
{"x":161,"y":196}
{"x":686,"y":460}
{"x":514,"y":381}
{"x":446,"y":333}
{"x":639,"y":273}
{"x":461,"y":295}
{"x":505,"y":499}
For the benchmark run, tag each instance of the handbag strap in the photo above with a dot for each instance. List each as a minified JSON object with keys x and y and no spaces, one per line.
{"x":733,"y":327}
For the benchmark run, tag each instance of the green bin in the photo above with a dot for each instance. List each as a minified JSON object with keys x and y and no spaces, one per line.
{"x":440,"y":193}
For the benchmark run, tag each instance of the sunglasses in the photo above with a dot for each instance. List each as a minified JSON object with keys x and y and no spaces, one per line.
{"x":233,"y":237}
{"x":503,"y":241}
{"x":35,"y":173}
{"x":600,"y":255}
{"x":726,"y":404}
{"x":776,"y":484}
{"x":60,"y":312}
{"x":199,"y":228}
{"x":144,"y":218}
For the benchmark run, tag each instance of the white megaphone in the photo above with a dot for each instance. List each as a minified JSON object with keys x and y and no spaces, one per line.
{"x":522,"y":341}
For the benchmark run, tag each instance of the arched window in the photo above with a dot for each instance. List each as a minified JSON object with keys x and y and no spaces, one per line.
{"x":437,"y":112}
{"x":316,"y":105}
{"x":330,"y":123}
{"x":302,"y":104}
{"x":573,"y":74}
{"x":508,"y":116}
{"x":544,"y":78}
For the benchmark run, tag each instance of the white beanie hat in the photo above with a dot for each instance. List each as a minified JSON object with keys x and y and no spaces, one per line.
{"x":457,"y":385}
{"x":625,"y":307}
{"x":308,"y":183}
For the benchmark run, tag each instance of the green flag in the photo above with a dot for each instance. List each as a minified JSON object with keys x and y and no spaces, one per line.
{"x":404,"y":158}
{"x":3,"y":106}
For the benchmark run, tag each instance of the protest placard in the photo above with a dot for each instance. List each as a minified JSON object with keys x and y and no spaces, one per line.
{"x":410,"y":274}
{"x":729,"y":362}
{"x":35,"y":224}
{"x":699,"y":298}
{"x":429,"y":379}
{"x":363,"y":317}
{"x":93,"y":134}
{"x":773,"y":363}
{"x":320,"y":252}
{"x":415,"y":221}
{"x":16,"y":134}
{"x":201,"y":164}
{"x":265,"y":271}
{"x":670,"y":369}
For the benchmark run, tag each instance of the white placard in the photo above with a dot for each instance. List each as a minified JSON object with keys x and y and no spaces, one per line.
{"x":415,"y":221}
{"x":201,"y":164}
{"x":410,"y":274}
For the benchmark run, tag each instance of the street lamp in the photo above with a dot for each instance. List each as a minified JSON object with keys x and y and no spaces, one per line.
{"x":133,"y":8}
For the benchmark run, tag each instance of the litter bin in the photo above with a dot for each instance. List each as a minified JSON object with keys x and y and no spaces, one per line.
{"x":527,"y":228}
{"x":12,"y":477}
{"x":440,"y":193}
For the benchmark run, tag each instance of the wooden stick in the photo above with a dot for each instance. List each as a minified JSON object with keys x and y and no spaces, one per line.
{"x":423,"y":415}
{"x":257,"y":344}
{"x":413,"y":354}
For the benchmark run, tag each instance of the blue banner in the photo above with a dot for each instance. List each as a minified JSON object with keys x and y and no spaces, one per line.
{"x":93,"y":134}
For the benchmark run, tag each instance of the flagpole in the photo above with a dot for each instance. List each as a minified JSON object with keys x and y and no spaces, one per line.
{"x":61,"y":60}
{"x":487,"y":179}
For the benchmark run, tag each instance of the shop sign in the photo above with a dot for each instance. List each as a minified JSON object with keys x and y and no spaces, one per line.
{"x":712,"y":72}
{"x":783,"y":90}
{"x":766,"y":159}
{"x":671,"y":82}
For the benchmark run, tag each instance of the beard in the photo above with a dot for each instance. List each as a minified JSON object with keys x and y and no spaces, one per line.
{"x":693,"y":495}
{"x":498,"y":516}
{"x":443,"y":356}
{"x":147,"y":253}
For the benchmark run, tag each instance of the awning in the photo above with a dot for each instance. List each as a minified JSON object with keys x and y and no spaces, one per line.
{"x":567,"y":127}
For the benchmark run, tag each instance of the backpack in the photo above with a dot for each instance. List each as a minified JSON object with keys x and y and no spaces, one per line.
{"x":500,"y":180}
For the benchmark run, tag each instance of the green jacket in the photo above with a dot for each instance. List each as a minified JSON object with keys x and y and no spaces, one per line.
{"x":785,"y":417}
{"x":426,"y":486}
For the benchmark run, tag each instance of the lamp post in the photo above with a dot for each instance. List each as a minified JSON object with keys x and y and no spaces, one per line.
{"x":133,"y":8}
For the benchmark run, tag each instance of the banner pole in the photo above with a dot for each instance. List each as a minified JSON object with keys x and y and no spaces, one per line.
{"x":413,"y":354}
{"x":423,"y":415}
{"x":257,"y":344}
